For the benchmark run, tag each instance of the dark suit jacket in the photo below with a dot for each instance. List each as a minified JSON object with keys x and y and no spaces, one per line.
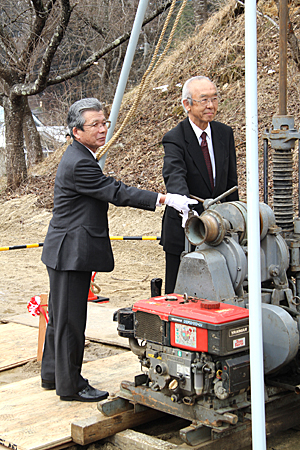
{"x":78,"y":236}
{"x":185,"y":173}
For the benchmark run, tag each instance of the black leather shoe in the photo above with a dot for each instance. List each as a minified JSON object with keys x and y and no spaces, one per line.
{"x":88,"y":394}
{"x":49,"y":385}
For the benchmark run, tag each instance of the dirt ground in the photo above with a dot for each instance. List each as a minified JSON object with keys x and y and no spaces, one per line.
{"x":21,"y":222}
{"x":23,"y":275}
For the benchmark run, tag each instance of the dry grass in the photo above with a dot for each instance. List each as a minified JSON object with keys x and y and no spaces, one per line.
{"x":217,"y":51}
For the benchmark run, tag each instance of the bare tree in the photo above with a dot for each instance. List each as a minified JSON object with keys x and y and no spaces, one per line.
{"x":292,"y":39}
{"x":44,"y":43}
{"x":32,"y":137}
{"x":200,"y":11}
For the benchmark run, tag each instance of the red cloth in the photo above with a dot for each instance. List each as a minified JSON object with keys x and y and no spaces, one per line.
{"x":35,"y":308}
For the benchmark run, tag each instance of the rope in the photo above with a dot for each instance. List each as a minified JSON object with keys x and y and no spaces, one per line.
{"x":95,"y":288}
{"x":146,"y":81}
{"x":112,"y":238}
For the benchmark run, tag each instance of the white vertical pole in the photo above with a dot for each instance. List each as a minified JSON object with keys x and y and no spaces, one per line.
{"x":135,"y":33}
{"x":253,"y":232}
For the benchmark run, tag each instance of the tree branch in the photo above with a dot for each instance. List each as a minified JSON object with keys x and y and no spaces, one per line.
{"x":94,"y":26}
{"x":7,"y":45}
{"x":291,"y":38}
{"x":260,"y":14}
{"x":41,"y":15}
{"x":6,"y":74}
{"x":98,"y":55}
{"x":294,"y":44}
{"x":41,"y":82}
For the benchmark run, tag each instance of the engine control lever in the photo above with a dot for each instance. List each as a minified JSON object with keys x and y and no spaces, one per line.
{"x":210,"y":201}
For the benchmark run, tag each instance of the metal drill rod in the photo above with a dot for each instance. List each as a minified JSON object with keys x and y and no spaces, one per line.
{"x":209,"y":202}
{"x":220,"y":197}
{"x":283,"y":22}
{"x":266,"y":161}
{"x":201,"y":200}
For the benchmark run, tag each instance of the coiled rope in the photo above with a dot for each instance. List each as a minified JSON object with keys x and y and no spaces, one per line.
{"x":146,"y":79}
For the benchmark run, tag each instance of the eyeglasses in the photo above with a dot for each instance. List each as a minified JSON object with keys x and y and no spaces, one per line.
{"x":104,"y":124}
{"x":204,"y":101}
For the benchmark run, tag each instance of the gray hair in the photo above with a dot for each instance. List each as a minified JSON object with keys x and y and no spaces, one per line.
{"x":186,"y":92}
{"x":75,"y":117}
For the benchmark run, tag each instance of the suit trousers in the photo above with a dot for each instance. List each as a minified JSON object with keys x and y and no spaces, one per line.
{"x":172,"y":266}
{"x":65,"y":334}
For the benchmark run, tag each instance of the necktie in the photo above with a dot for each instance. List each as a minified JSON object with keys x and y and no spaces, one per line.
{"x":204,"y":148}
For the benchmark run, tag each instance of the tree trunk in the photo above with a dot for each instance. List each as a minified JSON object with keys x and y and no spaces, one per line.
{"x":200,"y":11}
{"x":16,"y":170}
{"x":32,"y":137}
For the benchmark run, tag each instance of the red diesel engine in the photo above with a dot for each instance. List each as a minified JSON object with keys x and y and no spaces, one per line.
{"x":190,"y":347}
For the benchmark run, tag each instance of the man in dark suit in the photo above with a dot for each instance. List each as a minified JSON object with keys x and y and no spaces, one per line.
{"x":78,"y":243}
{"x":185,"y":171}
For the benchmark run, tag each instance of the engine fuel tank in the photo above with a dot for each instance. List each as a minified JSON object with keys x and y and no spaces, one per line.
{"x":192,"y":324}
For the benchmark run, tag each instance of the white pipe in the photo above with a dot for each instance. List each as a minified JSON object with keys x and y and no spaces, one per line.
{"x":134,"y":37}
{"x":254,"y":274}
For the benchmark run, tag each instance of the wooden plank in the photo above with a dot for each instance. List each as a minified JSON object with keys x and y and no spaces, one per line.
{"x":55,"y":447}
{"x":18,"y":345}
{"x":129,"y":439}
{"x":24,"y":319}
{"x":42,"y":326}
{"x":36,"y":419}
{"x":100,"y":325}
{"x":99,"y":427}
{"x":281,"y":415}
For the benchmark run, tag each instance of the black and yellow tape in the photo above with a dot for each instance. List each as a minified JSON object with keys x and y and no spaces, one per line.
{"x":112,"y":238}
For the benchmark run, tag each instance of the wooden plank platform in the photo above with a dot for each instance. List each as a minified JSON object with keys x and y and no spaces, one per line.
{"x":18,"y":345}
{"x":36,"y":419}
{"x":281,"y":414}
{"x":100,"y":325}
{"x":90,"y":430}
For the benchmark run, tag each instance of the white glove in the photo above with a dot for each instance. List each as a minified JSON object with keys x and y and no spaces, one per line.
{"x":185,"y":217}
{"x":180,"y":203}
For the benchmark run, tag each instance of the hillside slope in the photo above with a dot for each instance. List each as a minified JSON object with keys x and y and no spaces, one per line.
{"x":216,"y":51}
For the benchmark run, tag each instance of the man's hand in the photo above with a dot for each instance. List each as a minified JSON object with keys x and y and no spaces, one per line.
{"x":185,"y":217}
{"x":180,"y":203}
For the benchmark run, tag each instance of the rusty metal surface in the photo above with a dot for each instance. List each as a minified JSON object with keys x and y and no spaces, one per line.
{"x":283,"y":21}
{"x":115,"y":406}
{"x":282,"y":139}
{"x":202,"y":414}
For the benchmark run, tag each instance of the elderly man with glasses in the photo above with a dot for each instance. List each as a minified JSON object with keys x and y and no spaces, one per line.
{"x":77,"y":243}
{"x":199,"y":160}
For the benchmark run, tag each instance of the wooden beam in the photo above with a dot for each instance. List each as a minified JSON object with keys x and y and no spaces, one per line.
{"x":278,"y":419}
{"x":42,"y":327}
{"x":99,"y":427}
{"x":129,"y":439}
{"x":18,"y":345}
